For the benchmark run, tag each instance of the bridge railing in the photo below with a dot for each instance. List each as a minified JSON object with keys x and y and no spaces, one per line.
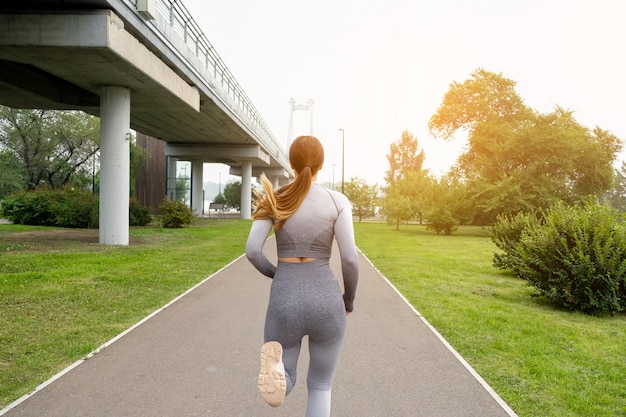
{"x":182,"y":24}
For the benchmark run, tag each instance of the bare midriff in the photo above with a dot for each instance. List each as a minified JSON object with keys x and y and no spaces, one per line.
{"x":297,"y":260}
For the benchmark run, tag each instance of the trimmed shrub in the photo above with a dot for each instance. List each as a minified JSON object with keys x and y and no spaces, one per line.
{"x":138,"y":215}
{"x":577,"y":257}
{"x":175,"y":214}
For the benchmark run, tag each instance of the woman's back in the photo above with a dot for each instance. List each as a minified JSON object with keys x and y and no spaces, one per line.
{"x":309,"y":232}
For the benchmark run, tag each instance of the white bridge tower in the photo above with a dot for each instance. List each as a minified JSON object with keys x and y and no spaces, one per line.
{"x":294,"y":107}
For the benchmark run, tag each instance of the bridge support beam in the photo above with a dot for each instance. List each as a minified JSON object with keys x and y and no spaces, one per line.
{"x":114,"y":165}
{"x":246,"y":190}
{"x":197,"y":196}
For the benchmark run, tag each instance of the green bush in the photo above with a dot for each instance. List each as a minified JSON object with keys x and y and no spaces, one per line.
{"x":75,"y":208}
{"x":442,"y":221}
{"x":506,"y":234}
{"x":138,"y":215}
{"x":63,"y":207}
{"x":175,"y":214}
{"x":577,"y":257}
{"x":31,"y":208}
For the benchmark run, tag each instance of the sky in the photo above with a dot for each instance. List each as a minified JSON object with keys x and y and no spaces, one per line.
{"x":376,"y":68}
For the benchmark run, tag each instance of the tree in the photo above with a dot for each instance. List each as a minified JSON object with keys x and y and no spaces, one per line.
{"x":616,"y":195}
{"x":407,"y":198}
{"x":52,"y":146}
{"x":219,"y":199}
{"x":12,"y":175}
{"x":397,"y":205}
{"x":362,"y":196}
{"x":445,"y":209}
{"x":232,"y":195}
{"x":403,"y":157}
{"x":518,"y":159}
{"x":486,"y":96}
{"x":183,"y":189}
{"x":406,"y":180}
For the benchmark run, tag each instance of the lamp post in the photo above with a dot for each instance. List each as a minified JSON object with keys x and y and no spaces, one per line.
{"x":342,"y":159}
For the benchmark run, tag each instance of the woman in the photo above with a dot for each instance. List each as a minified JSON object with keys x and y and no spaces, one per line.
{"x":305,"y":298}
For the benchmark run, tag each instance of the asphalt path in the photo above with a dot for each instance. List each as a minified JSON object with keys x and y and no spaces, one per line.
{"x":199,"y":356}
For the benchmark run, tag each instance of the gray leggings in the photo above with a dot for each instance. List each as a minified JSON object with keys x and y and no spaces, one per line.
{"x":306,"y":299}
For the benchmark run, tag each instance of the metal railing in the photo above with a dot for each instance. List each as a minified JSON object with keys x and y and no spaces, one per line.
{"x":183,"y":24}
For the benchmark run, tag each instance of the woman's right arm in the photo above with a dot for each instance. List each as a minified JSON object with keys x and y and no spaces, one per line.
{"x":344,"y":234}
{"x":254,"y":247}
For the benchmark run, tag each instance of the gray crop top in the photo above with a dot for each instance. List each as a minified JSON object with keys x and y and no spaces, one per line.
{"x":309,"y":232}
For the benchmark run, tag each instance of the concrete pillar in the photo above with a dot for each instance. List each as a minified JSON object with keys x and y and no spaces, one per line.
{"x":276,"y":183}
{"x":246,"y":190}
{"x":197,"y":196}
{"x":114,"y":165}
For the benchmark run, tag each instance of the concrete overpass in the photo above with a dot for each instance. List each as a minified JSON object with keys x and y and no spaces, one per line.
{"x":142,"y":65}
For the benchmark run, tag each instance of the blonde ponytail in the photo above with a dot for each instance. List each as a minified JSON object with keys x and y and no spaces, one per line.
{"x":280,"y":204}
{"x":306,"y":155}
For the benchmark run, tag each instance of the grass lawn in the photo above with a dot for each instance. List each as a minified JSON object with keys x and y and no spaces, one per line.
{"x":63,"y":295}
{"x":541,"y":360}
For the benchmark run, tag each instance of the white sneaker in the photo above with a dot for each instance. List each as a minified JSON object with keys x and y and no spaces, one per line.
{"x":272,"y":383}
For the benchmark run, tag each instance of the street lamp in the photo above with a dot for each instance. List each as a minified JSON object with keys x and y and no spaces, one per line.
{"x":342,"y":159}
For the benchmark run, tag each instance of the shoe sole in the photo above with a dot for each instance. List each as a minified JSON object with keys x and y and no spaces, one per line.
{"x":272,"y":383}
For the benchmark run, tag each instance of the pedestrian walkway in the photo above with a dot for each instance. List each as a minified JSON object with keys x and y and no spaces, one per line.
{"x":199,"y":356}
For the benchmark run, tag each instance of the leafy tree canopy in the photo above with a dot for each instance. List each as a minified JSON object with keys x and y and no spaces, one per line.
{"x":616,"y":195}
{"x":407,"y":198}
{"x":484,"y":97}
{"x":518,"y":159}
{"x":362,"y":196}
{"x":52,"y":146}
{"x":403,"y":157}
{"x":220,"y":199}
{"x":397,"y":206}
{"x":12,"y":175}
{"x":232,"y":195}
